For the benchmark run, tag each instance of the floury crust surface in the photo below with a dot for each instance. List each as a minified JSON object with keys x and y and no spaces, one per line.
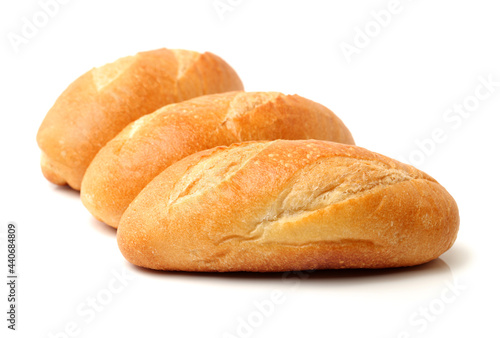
{"x":288,"y":205}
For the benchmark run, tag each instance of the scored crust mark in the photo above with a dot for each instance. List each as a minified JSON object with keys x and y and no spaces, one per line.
{"x":340,"y":177}
{"x":129,"y":131}
{"x":185,"y":60}
{"x":338,"y":182}
{"x":349,"y":178}
{"x":106,"y":74}
{"x":213,"y":170}
{"x":352,"y":177}
{"x":136,"y":125}
{"x":243,"y":104}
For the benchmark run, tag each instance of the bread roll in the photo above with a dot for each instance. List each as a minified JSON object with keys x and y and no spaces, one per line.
{"x":149,"y":145}
{"x":100,"y":103}
{"x":288,"y":205}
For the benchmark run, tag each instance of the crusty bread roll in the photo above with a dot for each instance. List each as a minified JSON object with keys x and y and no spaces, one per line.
{"x":100,"y":103}
{"x":146,"y":147}
{"x":288,"y":205}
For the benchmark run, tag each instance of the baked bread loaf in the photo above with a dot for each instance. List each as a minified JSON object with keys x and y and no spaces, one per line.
{"x":100,"y":103}
{"x":146,"y":147}
{"x":288,"y":205}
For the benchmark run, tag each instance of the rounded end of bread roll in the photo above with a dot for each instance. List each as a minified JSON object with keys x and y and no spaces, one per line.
{"x":116,"y":175}
{"x":59,"y":174}
{"x":50,"y":172}
{"x":329,"y":125}
{"x":218,"y":74}
{"x":288,"y":205}
{"x":100,"y":103}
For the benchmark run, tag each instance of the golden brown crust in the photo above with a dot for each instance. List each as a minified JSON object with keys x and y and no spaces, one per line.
{"x":146,"y":147}
{"x":288,"y":205}
{"x":100,"y":103}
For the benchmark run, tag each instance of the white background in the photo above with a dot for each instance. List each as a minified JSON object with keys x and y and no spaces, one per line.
{"x":392,"y":94}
